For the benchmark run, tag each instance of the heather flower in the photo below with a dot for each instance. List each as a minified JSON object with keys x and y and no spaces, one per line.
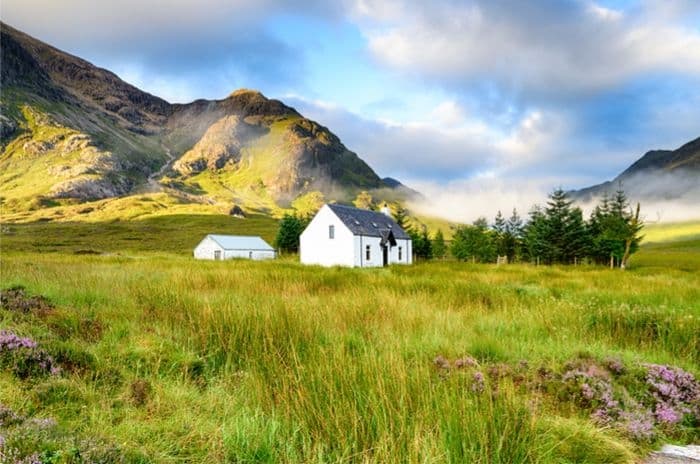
{"x":8,"y":417}
{"x":478,"y":382}
{"x":638,"y":425}
{"x":9,"y":341}
{"x":43,"y":424}
{"x":673,"y":390}
{"x":666,"y":414}
{"x":24,"y":357}
{"x":615,"y":366}
{"x":441,"y":362}
{"x":601,"y":416}
{"x":465,"y":362}
{"x":32,"y":459}
{"x":587,"y":392}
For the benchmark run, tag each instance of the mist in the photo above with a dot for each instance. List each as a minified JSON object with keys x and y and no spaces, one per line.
{"x":665,"y":197}
{"x":466,"y":201}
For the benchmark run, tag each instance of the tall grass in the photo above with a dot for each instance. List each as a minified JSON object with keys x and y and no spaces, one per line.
{"x":276,"y":362}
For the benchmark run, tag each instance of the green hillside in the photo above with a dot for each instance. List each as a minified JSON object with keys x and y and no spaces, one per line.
{"x":167,"y":359}
{"x":72,"y":133}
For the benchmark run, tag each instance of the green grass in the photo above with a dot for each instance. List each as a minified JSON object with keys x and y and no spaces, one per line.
{"x":672,"y":231}
{"x":172,"y":233}
{"x":237,"y":361}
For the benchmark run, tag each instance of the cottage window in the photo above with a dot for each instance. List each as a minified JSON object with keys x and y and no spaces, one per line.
{"x":331,"y":231}
{"x":368,"y":255}
{"x":399,"y":253}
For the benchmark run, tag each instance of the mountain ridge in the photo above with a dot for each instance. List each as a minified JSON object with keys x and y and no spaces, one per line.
{"x":99,"y":137}
{"x":656,"y":175}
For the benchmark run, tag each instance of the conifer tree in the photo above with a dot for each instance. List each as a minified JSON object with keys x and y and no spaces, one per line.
{"x":474,"y":242}
{"x":535,"y":236}
{"x":426,"y":247}
{"x":514,"y":232}
{"x":401,"y":217}
{"x":500,"y":235}
{"x":288,"y":234}
{"x":439,"y":247}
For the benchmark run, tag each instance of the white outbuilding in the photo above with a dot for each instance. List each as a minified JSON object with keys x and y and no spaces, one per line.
{"x":346,"y":236}
{"x":218,"y":247}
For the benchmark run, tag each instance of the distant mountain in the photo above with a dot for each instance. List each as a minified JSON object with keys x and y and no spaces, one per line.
{"x":658,"y":175}
{"x":400,"y":188}
{"x":71,"y":132}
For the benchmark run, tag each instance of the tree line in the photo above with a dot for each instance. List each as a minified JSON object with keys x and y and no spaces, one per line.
{"x":555,"y":233}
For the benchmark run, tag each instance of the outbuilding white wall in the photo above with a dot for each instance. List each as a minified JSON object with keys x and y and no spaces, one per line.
{"x":249,"y":254}
{"x":315,"y":247}
{"x":207,"y":247}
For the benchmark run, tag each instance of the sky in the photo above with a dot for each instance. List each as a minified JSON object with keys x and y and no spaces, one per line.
{"x":490,"y":102}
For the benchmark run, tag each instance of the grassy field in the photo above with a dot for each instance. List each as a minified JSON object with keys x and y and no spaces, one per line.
{"x":165,"y":359}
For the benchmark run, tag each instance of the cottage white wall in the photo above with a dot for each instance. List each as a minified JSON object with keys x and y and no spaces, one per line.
{"x":315,"y":247}
{"x":375,"y":256}
{"x":406,"y":252}
{"x":376,"y":253}
{"x":206,"y":248}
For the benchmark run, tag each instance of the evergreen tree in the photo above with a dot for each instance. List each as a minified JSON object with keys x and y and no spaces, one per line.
{"x":561,"y":236}
{"x":535,"y":237}
{"x":500,"y":235}
{"x":427,"y":251}
{"x":600,"y":250}
{"x":401,"y":217}
{"x":514,"y":233}
{"x":557,"y":214}
{"x":439,"y":247}
{"x":288,"y":234}
{"x":578,"y":241}
{"x":633,"y":238}
{"x":474,"y":242}
{"x":614,"y":229}
{"x":422,"y":247}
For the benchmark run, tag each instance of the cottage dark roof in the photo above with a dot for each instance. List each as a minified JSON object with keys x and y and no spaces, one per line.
{"x":368,"y":223}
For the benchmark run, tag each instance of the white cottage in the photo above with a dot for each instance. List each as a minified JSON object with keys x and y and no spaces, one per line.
{"x":219,"y":247}
{"x":346,"y":236}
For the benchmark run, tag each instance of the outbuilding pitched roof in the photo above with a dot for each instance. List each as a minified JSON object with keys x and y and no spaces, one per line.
{"x":368,"y":223}
{"x":241,"y":242}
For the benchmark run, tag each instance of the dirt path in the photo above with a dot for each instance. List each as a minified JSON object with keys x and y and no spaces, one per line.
{"x":152,"y":185}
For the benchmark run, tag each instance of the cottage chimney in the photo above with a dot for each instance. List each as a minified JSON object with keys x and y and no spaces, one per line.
{"x":385,"y":210}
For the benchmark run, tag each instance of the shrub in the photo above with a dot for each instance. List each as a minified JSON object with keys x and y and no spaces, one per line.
{"x":24,"y":358}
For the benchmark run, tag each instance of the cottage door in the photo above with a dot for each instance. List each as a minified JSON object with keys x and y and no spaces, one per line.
{"x":217,"y":254}
{"x":385,"y":255}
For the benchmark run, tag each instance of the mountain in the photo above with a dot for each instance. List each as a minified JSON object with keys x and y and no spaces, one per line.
{"x":401,"y":189}
{"x":658,"y":175}
{"x":71,"y":132}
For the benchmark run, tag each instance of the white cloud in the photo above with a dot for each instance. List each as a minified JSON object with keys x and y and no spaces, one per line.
{"x":573,"y":47}
{"x":448,"y":144}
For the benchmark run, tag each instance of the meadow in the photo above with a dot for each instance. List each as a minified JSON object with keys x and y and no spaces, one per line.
{"x":160,"y":358}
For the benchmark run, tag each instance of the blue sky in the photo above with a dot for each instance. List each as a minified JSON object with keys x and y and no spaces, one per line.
{"x":457,"y":95}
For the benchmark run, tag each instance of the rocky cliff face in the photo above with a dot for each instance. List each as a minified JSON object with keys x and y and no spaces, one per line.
{"x":72,"y":131}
